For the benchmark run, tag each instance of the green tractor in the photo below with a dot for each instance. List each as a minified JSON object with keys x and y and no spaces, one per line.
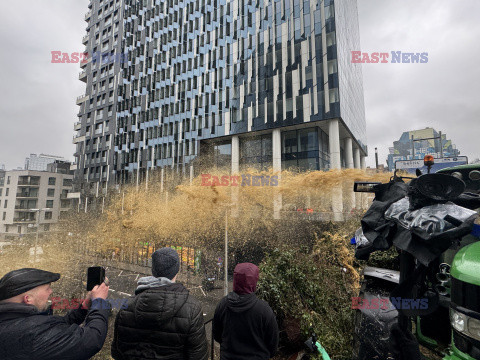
{"x":431,"y":297}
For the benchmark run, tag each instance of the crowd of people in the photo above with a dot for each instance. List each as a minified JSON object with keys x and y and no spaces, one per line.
{"x":161,"y":321}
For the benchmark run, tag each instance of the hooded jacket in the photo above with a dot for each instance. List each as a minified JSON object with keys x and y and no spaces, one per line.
{"x":27,"y":334}
{"x":244,"y":325}
{"x":162,"y":322}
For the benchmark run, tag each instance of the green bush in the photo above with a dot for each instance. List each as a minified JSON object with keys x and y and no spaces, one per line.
{"x":312,"y":292}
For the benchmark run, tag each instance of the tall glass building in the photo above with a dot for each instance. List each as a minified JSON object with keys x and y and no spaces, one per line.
{"x":262,"y":83}
{"x":96,"y":123}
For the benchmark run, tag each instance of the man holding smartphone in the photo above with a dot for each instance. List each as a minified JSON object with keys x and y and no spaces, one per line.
{"x":162,"y":321}
{"x":26,"y":330}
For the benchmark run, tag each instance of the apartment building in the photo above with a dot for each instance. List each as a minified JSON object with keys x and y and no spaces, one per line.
{"x":28,"y":198}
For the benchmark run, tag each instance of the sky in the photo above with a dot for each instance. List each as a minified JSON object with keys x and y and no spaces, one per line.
{"x":38,"y":97}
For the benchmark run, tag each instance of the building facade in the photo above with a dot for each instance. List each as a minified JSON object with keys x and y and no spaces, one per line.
{"x":95,"y":126}
{"x":40,"y":162}
{"x":28,"y":197}
{"x":247,"y":83}
{"x":416,"y":144}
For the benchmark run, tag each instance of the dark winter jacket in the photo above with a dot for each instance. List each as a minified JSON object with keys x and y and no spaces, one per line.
{"x":160,"y":323}
{"x":27,"y":334}
{"x":244,"y":325}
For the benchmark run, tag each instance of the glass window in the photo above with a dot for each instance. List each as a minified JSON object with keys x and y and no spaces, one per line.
{"x":290,"y":142}
{"x":333,"y":93}
{"x":222,"y":154}
{"x":49,"y":204}
{"x":308,"y":140}
{"x":51,"y":192}
{"x":51,"y":181}
{"x":332,"y":66}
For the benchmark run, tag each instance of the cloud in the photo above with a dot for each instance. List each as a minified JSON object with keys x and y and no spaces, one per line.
{"x":38,"y":97}
{"x":441,"y":93}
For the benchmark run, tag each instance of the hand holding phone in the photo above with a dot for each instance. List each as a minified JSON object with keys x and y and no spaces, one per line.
{"x":100,"y":291}
{"x":95,"y":276}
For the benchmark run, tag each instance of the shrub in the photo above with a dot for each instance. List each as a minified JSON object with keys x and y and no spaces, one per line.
{"x":312,"y":292}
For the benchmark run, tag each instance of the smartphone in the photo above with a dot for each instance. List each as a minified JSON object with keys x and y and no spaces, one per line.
{"x":95,"y":276}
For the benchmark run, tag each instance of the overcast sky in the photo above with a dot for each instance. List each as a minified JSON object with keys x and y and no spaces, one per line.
{"x":38,"y":98}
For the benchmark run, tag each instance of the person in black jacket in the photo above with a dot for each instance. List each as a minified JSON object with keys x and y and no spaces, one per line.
{"x":244,"y":325}
{"x":162,"y":321}
{"x":27,"y":332}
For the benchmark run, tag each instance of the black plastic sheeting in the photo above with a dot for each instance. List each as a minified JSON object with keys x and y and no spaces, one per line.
{"x":425,"y":243}
{"x":395,"y":218}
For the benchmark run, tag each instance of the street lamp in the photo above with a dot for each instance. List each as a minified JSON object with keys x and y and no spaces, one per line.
{"x":38,"y":229}
{"x":225,"y":286}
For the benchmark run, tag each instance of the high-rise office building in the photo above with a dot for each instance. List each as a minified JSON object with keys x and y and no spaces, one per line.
{"x":260,"y":83}
{"x":95,"y":127}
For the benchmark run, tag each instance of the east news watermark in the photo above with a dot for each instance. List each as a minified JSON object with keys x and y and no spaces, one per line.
{"x":392,"y":57}
{"x":359,"y":303}
{"x":59,"y":57}
{"x":239,"y":180}
{"x":71,"y":304}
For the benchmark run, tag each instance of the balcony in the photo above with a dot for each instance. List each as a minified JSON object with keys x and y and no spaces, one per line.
{"x":85,"y":39}
{"x":73,"y":195}
{"x":73,"y":167}
{"x":26,"y":194}
{"x":31,"y":182}
{"x":23,"y":220}
{"x":77,"y":126}
{"x":77,"y":139}
{"x":98,"y":131}
{"x":83,"y":76}
{"x":88,"y":15}
{"x":81,"y":99}
{"x":85,"y":63}
{"x":24,"y":207}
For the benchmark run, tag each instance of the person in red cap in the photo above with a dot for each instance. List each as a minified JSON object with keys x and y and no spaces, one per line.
{"x":244,"y":325}
{"x":28,"y":333}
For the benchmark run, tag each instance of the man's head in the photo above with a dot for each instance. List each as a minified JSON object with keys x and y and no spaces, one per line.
{"x":37,"y":297}
{"x":245,"y":278}
{"x":165,"y":263}
{"x":27,"y":286}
